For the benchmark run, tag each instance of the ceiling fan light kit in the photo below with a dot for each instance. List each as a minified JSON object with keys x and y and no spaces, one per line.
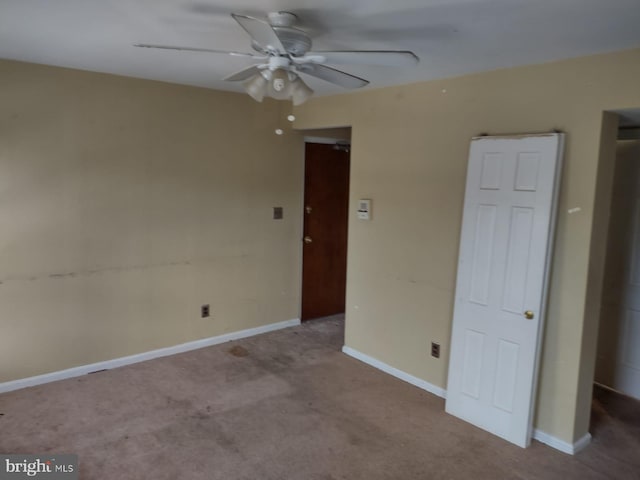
{"x":279,"y":84}
{"x":284,"y":56}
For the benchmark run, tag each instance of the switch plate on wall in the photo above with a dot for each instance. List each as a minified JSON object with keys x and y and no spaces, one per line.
{"x":364,"y":209}
{"x":277,"y":213}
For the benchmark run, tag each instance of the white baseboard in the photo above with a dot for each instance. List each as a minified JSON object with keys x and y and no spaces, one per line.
{"x":565,"y":447}
{"x":539,"y":435}
{"x":141,"y":357}
{"x":424,"y":385}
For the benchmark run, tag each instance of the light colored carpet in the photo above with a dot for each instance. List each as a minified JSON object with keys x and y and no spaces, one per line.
{"x":285,"y":405}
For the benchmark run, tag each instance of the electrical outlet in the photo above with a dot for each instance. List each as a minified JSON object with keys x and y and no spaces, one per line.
{"x":204,"y":311}
{"x":435,"y":350}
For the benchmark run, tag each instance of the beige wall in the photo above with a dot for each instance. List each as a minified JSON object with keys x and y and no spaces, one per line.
{"x":126,"y":204}
{"x":409,"y":154}
{"x":627,"y":172}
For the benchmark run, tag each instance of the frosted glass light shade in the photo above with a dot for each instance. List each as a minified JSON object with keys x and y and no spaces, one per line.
{"x":300,"y":91}
{"x":256,"y":87}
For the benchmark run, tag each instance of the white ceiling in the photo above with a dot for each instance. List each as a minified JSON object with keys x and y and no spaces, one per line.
{"x":451,"y":37}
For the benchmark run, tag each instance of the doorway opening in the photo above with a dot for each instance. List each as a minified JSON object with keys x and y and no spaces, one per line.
{"x":325,"y":226}
{"x":616,"y":392}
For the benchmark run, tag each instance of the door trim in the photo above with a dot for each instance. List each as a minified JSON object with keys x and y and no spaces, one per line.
{"x":325,"y":140}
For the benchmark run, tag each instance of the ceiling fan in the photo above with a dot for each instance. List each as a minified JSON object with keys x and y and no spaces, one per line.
{"x":284,"y":52}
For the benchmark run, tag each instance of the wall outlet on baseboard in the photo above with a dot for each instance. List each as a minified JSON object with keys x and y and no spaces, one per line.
{"x":435,"y":350}
{"x":204,"y":311}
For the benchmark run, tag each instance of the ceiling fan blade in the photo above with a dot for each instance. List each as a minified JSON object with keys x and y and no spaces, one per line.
{"x":388,"y":58}
{"x":261,"y":32}
{"x":195,"y":49}
{"x":243,"y":74}
{"x":332,"y":75}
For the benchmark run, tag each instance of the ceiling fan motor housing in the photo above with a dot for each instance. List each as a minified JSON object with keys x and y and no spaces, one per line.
{"x":282,"y":19}
{"x":296,"y":42}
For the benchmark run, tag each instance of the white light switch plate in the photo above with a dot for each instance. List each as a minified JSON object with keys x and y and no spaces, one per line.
{"x":364,"y":209}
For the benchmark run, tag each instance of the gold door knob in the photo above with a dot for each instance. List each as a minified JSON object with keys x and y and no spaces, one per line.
{"x":528,"y":315}
{"x":307,"y":239}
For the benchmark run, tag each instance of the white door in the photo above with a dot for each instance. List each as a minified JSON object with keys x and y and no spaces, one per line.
{"x":507,"y":230}
{"x":627,"y":372}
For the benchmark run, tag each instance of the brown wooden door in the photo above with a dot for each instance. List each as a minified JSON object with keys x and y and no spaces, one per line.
{"x":326,"y":205}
